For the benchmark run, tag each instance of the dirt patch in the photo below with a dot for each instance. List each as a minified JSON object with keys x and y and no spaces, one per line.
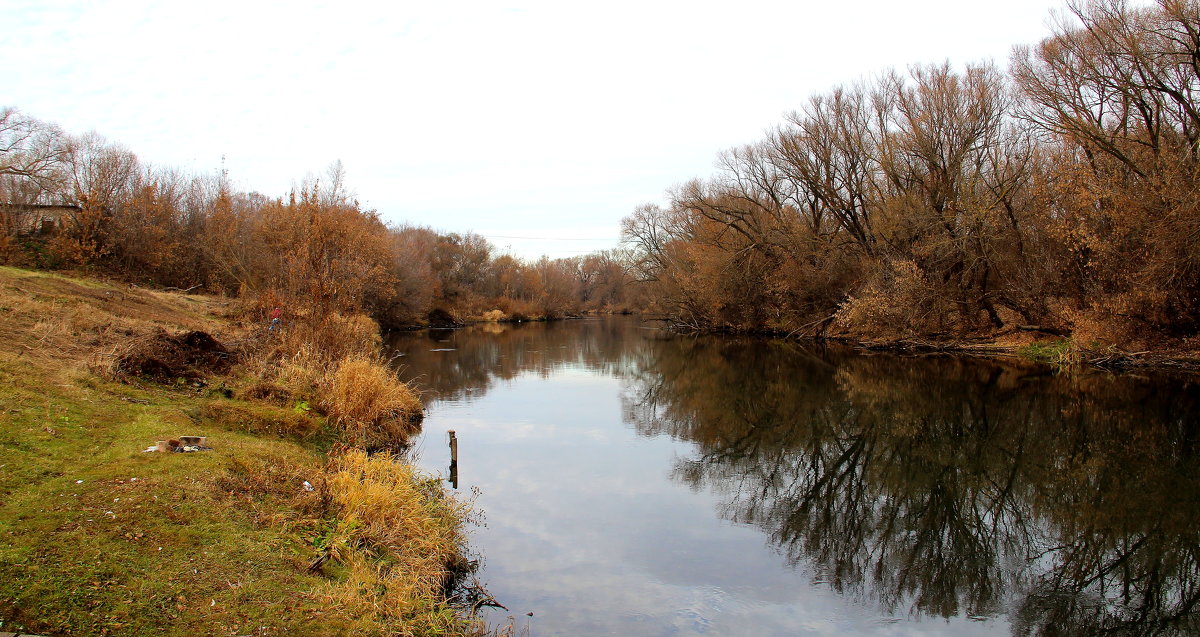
{"x":161,"y":356}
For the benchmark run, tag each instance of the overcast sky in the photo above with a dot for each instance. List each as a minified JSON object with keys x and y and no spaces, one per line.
{"x":529,"y":119}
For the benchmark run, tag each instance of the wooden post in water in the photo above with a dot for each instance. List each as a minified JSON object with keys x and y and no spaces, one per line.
{"x":453,"y":460}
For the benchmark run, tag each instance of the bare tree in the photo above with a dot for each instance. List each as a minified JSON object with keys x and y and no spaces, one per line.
{"x":30,"y":149}
{"x":945,"y":131}
{"x":1115,"y":91}
{"x":31,"y":160}
{"x":829,"y":152}
{"x":1119,"y":80}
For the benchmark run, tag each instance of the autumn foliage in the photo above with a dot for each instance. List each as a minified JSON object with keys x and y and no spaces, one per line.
{"x":85,"y":203}
{"x":948,"y":201}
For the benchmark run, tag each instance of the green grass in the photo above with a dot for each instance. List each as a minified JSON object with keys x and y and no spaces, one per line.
{"x":99,"y":538}
{"x":1060,"y":352}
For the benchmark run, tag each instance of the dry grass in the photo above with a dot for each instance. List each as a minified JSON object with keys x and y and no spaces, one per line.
{"x":332,"y":362}
{"x":326,"y":339}
{"x":399,"y":537}
{"x":54,"y":319}
{"x":300,"y":374}
{"x":494,"y":315}
{"x":267,"y":392}
{"x":369,"y":405}
{"x":218,"y":542}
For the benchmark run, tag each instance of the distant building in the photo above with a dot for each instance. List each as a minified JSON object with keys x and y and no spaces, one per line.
{"x":26,"y":219}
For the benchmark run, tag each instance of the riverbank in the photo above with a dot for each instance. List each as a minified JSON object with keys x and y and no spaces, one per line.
{"x":280,"y":528}
{"x":1030,"y":343}
{"x":1058,"y":350}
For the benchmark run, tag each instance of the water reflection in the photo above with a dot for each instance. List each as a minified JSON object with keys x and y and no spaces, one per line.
{"x":932,"y":487}
{"x":457,"y":364}
{"x":945,"y":486}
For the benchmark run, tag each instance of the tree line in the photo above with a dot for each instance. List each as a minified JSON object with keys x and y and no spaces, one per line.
{"x":947,"y":201}
{"x":82,"y":202}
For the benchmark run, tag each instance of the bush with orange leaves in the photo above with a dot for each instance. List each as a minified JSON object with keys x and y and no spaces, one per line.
{"x":897,"y":302}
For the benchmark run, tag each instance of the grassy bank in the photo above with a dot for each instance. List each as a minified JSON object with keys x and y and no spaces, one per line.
{"x":102,"y":538}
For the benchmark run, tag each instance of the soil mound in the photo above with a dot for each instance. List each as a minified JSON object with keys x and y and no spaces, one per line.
{"x":165,"y":357}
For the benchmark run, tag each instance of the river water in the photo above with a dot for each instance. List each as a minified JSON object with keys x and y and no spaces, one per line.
{"x":633,"y":482}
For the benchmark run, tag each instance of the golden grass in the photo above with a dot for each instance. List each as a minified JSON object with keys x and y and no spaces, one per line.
{"x":332,"y":362}
{"x":494,"y":315}
{"x":326,"y":339}
{"x":54,"y":319}
{"x":399,"y":536}
{"x":300,"y":374}
{"x":369,"y":405}
{"x":266,"y":392}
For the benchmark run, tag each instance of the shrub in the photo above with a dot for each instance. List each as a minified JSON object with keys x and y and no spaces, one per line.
{"x":369,"y":405}
{"x":897,"y":301}
{"x":494,"y":315}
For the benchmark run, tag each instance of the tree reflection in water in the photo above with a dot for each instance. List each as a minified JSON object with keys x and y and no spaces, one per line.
{"x":943,"y":485}
{"x":938,"y":486}
{"x":487,"y":352}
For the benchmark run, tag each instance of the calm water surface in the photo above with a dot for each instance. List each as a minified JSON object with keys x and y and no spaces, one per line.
{"x":636,"y":483}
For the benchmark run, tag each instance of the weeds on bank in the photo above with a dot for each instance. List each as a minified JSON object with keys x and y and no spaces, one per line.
{"x":398,"y":537}
{"x":387,"y":541}
{"x":1069,"y":352}
{"x":332,"y":363}
{"x":369,"y":405}
{"x":1060,"y":352}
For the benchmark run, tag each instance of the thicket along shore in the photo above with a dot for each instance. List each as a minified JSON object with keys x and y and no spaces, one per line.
{"x":950,"y":204}
{"x":281,"y":523}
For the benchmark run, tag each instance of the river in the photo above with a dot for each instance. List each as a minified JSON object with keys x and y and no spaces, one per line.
{"x":634,"y":482}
